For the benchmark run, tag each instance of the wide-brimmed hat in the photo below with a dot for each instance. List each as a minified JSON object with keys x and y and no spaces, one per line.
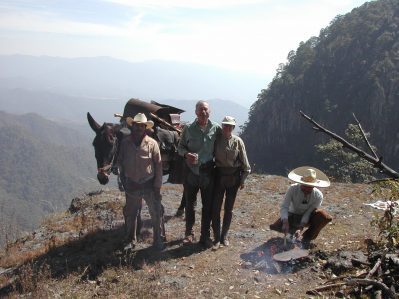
{"x":139,"y":118}
{"x":309,"y":176}
{"x":229,"y":120}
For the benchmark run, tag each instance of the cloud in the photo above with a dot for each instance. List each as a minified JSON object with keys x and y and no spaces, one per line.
{"x":192,"y":4}
{"x":243,"y":37}
{"x":43,"y":24}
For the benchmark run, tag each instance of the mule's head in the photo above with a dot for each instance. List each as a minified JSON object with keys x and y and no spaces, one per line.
{"x":105,"y":147}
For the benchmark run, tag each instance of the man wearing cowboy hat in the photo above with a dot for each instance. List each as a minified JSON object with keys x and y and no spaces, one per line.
{"x":301,"y":205}
{"x":141,"y":168}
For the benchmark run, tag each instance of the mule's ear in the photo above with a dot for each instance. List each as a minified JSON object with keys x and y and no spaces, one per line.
{"x":93,"y":124}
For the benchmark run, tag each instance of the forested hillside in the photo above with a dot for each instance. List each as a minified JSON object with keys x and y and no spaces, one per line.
{"x":351,"y":67}
{"x":42,"y":165}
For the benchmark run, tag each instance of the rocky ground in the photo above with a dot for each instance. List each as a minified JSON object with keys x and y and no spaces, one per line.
{"x":78,"y":253}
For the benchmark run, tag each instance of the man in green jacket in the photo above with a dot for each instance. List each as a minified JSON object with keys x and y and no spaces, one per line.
{"x":196,"y":145}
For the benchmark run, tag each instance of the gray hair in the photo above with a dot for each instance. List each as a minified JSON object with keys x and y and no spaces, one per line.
{"x":199,"y":103}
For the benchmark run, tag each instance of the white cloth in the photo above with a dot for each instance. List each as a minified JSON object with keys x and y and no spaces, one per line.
{"x":384,"y":205}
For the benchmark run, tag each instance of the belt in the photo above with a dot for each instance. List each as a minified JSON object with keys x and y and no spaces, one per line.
{"x":133,"y":186}
{"x":225,"y":171}
{"x":208,"y":166}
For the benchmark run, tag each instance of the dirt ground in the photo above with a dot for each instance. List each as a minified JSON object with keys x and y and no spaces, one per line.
{"x":79,"y":254}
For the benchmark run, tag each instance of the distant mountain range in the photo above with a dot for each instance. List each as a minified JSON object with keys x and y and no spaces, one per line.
{"x":73,"y":109}
{"x":64,"y":89}
{"x":42,"y":165}
{"x":104,"y":77}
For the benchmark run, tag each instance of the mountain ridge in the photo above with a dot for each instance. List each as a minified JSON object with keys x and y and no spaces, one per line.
{"x":113,"y":78}
{"x":351,"y":67}
{"x":42,"y":164}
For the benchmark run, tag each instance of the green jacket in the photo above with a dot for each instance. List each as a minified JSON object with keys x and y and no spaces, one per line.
{"x":202,"y":142}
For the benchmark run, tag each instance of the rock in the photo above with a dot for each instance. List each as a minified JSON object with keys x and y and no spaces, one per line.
{"x":393,"y":259}
{"x":76,"y":205}
{"x":247,"y":265}
{"x":340,"y":294}
{"x":343,"y":261}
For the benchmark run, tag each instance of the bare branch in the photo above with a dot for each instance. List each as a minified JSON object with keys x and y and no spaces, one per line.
{"x":327,"y":287}
{"x":356,"y":281}
{"x":380,"y":285}
{"x":365,"y":137}
{"x":374,"y":269}
{"x":377,"y":162}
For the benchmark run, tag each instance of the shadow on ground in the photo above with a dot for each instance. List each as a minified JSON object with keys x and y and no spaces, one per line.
{"x":95,"y":252}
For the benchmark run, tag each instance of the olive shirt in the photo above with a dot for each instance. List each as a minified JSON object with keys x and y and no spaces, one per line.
{"x":201,"y":141}
{"x":141,"y":163}
{"x":230,"y":153}
{"x":296,"y":202}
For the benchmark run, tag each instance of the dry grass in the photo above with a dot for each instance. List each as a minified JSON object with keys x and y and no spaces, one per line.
{"x":93,"y":264}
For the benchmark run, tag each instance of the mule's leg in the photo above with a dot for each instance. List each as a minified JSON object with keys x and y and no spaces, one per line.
{"x":180,"y":209}
{"x":163,"y":232}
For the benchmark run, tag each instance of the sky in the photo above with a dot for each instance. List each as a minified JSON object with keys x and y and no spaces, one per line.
{"x":242,"y":35}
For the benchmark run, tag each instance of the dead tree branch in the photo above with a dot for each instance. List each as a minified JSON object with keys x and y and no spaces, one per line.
{"x":353,"y":282}
{"x":377,"y":162}
{"x":379,"y":285}
{"x":374,"y":269}
{"x":364,"y":136}
{"x":326,"y":287}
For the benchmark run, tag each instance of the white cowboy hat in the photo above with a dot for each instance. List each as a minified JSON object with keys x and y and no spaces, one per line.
{"x":309,"y":176}
{"x":229,"y":120}
{"x":139,"y":118}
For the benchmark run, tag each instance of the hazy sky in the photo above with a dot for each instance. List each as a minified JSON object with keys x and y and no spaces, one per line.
{"x":249,"y":35}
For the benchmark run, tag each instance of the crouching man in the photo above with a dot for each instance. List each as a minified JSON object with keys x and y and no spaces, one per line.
{"x":141,"y":168}
{"x":301,"y":205}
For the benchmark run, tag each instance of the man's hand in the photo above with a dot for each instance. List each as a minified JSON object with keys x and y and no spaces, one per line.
{"x":242,"y":186}
{"x":157,"y":193}
{"x":192,"y":158}
{"x":298,"y":232}
{"x":286,"y":226}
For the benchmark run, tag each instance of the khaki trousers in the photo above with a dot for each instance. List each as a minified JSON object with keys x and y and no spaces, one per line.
{"x":132,"y":209}
{"x":318,"y":219}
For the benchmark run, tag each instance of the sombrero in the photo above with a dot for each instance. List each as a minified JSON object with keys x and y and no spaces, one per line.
{"x":139,"y":118}
{"x":309,"y":176}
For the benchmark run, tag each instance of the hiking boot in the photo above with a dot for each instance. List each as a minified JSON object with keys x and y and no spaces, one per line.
{"x":188,"y":240}
{"x":305,"y":244}
{"x":128,"y":245}
{"x":206,"y":243}
{"x":216,"y":246}
{"x":225,"y":242}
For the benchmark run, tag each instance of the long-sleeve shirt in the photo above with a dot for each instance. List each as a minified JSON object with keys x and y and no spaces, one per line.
{"x":201,"y":141}
{"x":141,"y":163}
{"x":296,"y":202}
{"x":231,"y":153}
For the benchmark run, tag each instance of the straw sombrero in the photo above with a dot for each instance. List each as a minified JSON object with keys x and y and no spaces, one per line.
{"x":139,"y":118}
{"x":309,"y":176}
